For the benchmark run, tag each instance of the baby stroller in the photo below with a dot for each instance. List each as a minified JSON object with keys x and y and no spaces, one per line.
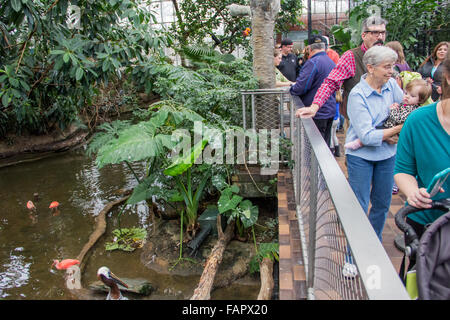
{"x":428,"y":276}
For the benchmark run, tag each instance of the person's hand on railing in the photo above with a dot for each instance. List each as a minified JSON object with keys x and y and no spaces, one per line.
{"x":307,"y":112}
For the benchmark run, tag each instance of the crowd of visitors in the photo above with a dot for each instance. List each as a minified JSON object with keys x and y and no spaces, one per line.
{"x":380,"y":92}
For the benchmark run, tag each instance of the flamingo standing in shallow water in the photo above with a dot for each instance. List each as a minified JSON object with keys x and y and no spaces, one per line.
{"x":54,"y":206}
{"x":31,"y":206}
{"x":64,"y":264}
{"x":111,"y":281}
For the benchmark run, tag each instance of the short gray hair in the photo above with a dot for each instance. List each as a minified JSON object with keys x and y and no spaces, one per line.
{"x":379,"y":54}
{"x":372,"y":21}
{"x":317,"y":46}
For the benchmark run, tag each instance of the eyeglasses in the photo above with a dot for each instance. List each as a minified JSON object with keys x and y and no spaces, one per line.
{"x":376,"y":33}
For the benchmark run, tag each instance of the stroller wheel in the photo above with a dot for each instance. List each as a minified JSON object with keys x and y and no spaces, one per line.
{"x":399,"y":242}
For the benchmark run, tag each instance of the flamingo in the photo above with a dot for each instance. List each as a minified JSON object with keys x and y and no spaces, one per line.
{"x":111,"y":281}
{"x":30,"y":206}
{"x":54,"y":205}
{"x":64,"y":264}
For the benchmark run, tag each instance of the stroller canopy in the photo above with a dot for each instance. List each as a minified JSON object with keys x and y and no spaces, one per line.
{"x":433,"y":261}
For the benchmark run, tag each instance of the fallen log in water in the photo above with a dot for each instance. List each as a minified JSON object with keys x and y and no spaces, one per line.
{"x":100,"y":229}
{"x":203,"y":290}
{"x":266,"y":272}
{"x":137,"y":286}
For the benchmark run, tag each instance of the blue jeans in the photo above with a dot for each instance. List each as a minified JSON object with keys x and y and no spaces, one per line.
{"x":372,"y":180}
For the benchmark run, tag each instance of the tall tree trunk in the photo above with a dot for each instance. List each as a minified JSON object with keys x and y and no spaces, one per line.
{"x":264,"y":13}
{"x":182,"y":30}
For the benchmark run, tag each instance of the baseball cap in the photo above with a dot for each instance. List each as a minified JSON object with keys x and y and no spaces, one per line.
{"x":286,"y":42}
{"x":317,"y":39}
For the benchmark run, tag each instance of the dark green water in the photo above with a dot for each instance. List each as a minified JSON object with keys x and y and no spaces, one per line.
{"x":30,"y":242}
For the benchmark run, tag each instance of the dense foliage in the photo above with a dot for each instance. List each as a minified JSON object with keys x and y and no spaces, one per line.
{"x":418,"y":25}
{"x":211,"y":87}
{"x":200,"y":21}
{"x":51,"y":68}
{"x":208,"y":93}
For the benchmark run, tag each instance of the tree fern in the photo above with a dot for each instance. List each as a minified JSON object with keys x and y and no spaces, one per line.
{"x":198,"y":52}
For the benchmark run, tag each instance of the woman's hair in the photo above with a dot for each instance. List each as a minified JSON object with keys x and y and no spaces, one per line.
{"x":397,"y":47}
{"x":434,"y":53}
{"x":306,"y":52}
{"x":445,"y":74}
{"x":379,"y":54}
{"x":424,"y":89}
{"x":276,"y":52}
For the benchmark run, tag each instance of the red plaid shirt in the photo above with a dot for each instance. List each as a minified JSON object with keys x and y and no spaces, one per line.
{"x":345,"y":69}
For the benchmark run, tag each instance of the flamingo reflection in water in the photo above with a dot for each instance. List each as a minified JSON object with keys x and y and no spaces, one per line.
{"x":111,"y":281}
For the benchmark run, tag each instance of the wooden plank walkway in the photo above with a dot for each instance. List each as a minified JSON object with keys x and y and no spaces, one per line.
{"x":292,"y":284}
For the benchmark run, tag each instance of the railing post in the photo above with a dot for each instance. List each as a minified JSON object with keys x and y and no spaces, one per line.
{"x":292,"y":116}
{"x":281,"y":113}
{"x":244,"y":117}
{"x":298,"y":160}
{"x":312,"y":221}
{"x":253,"y":112}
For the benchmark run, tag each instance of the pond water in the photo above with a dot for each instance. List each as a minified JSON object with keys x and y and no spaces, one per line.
{"x":30,"y":242}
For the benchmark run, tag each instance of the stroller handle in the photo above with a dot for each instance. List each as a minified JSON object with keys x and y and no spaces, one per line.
{"x":400,"y":217}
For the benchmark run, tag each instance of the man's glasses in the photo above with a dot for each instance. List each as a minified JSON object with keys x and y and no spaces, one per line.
{"x":376,"y":33}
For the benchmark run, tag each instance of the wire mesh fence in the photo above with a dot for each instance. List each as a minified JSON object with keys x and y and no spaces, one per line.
{"x":325,"y":240}
{"x":334,"y":228}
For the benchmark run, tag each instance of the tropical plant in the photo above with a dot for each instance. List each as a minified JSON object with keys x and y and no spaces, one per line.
{"x":289,"y":15}
{"x":127,"y":239}
{"x":51,"y":69}
{"x":408,"y":22}
{"x":190,"y":194}
{"x":342,"y":34}
{"x":211,"y":87}
{"x":266,"y":250}
{"x":200,"y":21}
{"x":234,"y":207}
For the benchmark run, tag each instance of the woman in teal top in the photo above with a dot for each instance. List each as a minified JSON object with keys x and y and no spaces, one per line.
{"x":424,"y":150}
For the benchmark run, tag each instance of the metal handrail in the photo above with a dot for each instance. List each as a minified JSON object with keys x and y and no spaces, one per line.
{"x":323,"y":184}
{"x":367,"y":251}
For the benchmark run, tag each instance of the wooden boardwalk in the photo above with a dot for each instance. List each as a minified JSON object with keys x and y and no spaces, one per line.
{"x":292,"y":283}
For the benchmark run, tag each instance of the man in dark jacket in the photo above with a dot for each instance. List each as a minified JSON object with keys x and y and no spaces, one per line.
{"x":289,"y":65}
{"x":311,"y":76}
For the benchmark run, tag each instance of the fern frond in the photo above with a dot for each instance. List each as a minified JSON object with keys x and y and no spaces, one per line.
{"x":198,"y":52}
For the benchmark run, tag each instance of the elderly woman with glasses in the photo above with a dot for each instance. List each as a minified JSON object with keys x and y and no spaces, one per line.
{"x":371,"y":168}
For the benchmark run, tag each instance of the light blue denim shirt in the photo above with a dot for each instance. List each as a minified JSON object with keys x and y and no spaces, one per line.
{"x":367,"y":109}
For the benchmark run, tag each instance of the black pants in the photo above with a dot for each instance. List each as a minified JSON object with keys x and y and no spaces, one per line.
{"x":324,"y":126}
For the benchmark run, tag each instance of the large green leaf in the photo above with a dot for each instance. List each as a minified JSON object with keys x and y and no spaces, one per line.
{"x":135,"y":143}
{"x":181,"y":164}
{"x":228,"y":201}
{"x":148,"y":188}
{"x":249,"y":213}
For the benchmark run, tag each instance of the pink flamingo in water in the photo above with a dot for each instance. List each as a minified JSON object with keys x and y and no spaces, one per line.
{"x":31,"y":206}
{"x":64,"y":264}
